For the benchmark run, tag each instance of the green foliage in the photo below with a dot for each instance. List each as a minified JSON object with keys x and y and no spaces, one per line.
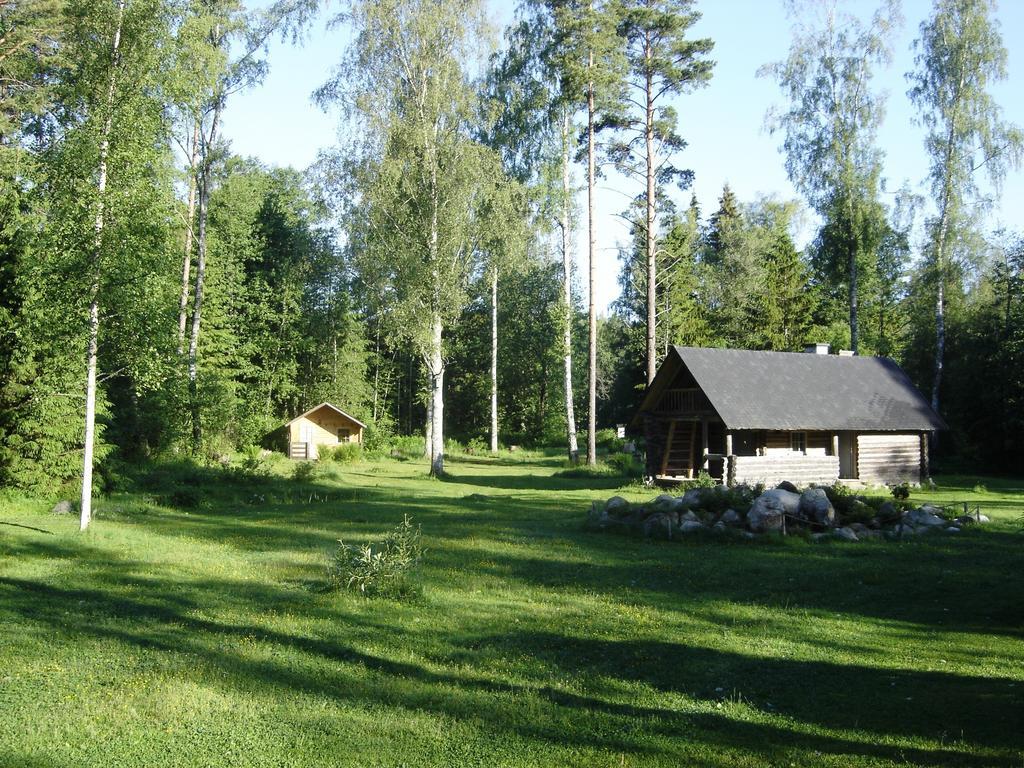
{"x":702,"y":480}
{"x":343,"y":453}
{"x":901,"y":492}
{"x":385,"y":568}
{"x":304,"y":471}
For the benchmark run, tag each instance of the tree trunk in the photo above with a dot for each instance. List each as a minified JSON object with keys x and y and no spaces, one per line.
{"x":652,"y":270}
{"x":940,"y":334}
{"x":494,"y":361}
{"x":591,"y":316}
{"x":436,"y":367}
{"x":197,"y":301}
{"x":428,"y":443}
{"x":852,"y":267}
{"x":187,"y":261}
{"x":570,"y":413}
{"x":94,"y":288}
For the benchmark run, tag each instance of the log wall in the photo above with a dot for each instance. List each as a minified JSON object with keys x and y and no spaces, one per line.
{"x":797,"y":469}
{"x":884,"y":459}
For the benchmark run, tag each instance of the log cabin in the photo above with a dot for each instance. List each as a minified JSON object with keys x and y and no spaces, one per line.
{"x":764,"y":417}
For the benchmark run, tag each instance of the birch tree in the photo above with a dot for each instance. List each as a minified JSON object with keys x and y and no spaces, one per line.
{"x":418,"y":225}
{"x":960,"y":55}
{"x":829,"y":127}
{"x":536,"y":132}
{"x":222,"y":43}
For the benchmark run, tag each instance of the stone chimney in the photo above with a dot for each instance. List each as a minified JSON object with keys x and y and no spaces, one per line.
{"x":817,"y":349}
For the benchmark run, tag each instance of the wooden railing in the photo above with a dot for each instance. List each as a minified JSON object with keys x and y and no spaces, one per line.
{"x":683,"y":401}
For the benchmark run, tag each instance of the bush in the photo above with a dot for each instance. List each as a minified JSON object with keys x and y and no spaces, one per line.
{"x":304,"y":471}
{"x":410,"y":446}
{"x":377,"y":438}
{"x":901,"y":492}
{"x":344,"y":453}
{"x":382,"y":568}
{"x":702,"y":480}
{"x":477,"y":446}
{"x":255,"y":460}
{"x":626,"y":464}
{"x":184,"y":497}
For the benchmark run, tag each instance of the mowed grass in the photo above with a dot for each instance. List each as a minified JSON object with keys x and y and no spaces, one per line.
{"x":203,"y":636}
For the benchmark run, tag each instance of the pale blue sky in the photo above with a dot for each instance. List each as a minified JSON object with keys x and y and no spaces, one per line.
{"x":278,"y":123}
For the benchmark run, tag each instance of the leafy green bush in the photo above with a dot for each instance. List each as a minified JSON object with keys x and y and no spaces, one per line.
{"x":477,"y":446}
{"x":343,"y":453}
{"x":377,"y":439}
{"x":608,"y":440}
{"x":901,"y":492}
{"x":255,"y":460}
{"x":184,"y":497}
{"x":304,"y":471}
{"x":382,"y":568}
{"x":626,"y":464}
{"x":409,"y":446}
{"x":702,"y":480}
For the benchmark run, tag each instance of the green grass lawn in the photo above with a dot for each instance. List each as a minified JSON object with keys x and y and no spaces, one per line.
{"x":203,"y":636}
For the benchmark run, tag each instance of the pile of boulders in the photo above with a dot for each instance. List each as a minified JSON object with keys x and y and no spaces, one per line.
{"x":817,"y":512}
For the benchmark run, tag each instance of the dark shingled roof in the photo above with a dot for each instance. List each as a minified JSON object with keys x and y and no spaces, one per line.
{"x":796,"y":391}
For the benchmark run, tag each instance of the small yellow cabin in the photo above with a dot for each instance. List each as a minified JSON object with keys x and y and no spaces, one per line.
{"x":325,"y":424}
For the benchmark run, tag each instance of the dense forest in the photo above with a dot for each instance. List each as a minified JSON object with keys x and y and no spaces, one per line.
{"x":161,"y":296}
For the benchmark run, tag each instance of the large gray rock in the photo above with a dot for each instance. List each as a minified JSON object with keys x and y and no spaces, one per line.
{"x":616,"y":506}
{"x":658,"y":526}
{"x":769,"y":510}
{"x":785,"y":485}
{"x":815,"y":506}
{"x":790,"y":501}
{"x":731,"y":517}
{"x":692,"y":498}
{"x":664,"y":503}
{"x":63,"y":508}
{"x":689,"y":526}
{"x":845,"y":534}
{"x":922,"y":517}
{"x":688,"y":517}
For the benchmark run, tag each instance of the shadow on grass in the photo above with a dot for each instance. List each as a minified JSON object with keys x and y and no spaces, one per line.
{"x":826,"y":696}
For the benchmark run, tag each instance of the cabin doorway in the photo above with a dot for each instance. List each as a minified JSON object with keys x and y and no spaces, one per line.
{"x":847,"y":456}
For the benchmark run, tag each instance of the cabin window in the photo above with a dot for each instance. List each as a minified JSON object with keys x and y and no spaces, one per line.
{"x":344,"y":436}
{"x":798,"y":442}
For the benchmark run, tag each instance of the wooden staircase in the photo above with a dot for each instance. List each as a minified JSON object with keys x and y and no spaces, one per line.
{"x":682,"y":450}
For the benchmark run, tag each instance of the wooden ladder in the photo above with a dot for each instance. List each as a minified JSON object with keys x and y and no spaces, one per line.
{"x":679,"y":457}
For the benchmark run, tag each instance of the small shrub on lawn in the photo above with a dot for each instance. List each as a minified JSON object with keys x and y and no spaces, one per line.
{"x":184,"y":497}
{"x":409,"y":446}
{"x":901,"y":492}
{"x":304,"y":471}
{"x":626,"y":464}
{"x":702,"y":480}
{"x":344,"y":453}
{"x":477,"y":446}
{"x":384,"y":568}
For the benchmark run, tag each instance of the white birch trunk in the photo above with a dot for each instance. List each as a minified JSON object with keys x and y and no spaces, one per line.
{"x":591,"y":315}
{"x":428,"y":445}
{"x":197,"y":300}
{"x":189,"y":237}
{"x":94,"y":288}
{"x":436,"y":367}
{"x":494,"y":361}
{"x":570,"y":412}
